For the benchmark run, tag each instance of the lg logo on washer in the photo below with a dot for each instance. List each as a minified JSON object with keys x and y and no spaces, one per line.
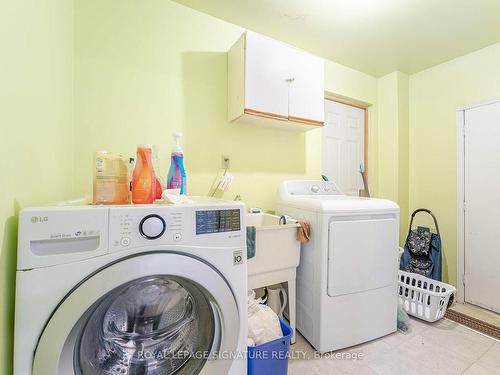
{"x":39,"y":219}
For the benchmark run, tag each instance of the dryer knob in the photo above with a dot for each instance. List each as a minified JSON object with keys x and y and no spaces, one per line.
{"x":315,"y":188}
{"x":152,"y":227}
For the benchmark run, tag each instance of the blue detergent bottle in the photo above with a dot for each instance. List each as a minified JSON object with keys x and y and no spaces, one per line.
{"x":177,"y":174}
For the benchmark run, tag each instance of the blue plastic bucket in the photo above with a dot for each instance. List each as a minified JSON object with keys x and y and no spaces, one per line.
{"x":271,"y":358}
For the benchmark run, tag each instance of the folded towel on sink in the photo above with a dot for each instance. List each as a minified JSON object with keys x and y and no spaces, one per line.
{"x":251,"y":232}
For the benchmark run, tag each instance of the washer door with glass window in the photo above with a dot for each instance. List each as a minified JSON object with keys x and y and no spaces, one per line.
{"x":156,"y":313}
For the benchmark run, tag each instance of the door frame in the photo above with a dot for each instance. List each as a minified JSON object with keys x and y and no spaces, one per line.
{"x":361,"y":105}
{"x":461,"y":121}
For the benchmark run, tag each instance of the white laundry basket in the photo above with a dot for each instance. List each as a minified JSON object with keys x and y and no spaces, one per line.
{"x":422,"y":297}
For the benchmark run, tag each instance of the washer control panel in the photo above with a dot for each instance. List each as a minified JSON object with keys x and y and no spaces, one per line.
{"x":131,"y":227}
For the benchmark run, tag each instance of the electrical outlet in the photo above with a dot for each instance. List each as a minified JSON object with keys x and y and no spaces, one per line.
{"x":225,"y":161}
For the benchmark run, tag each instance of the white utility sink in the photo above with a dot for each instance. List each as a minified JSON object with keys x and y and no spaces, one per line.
{"x":276,"y":245}
{"x":277,"y":256}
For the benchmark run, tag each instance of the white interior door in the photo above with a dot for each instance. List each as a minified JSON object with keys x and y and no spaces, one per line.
{"x":343,"y":145}
{"x":482,"y":206}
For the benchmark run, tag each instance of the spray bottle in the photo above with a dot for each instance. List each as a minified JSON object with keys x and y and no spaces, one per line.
{"x":177,"y":173}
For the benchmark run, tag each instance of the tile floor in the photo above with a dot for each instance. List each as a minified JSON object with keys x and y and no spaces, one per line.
{"x":478,"y":313}
{"x":440,"y":348}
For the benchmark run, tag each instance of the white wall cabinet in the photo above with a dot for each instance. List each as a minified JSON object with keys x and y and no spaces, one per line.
{"x":272,"y":83}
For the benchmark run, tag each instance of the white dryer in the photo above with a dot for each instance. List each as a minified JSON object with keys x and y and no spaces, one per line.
{"x":347,"y":277}
{"x":130,"y":290}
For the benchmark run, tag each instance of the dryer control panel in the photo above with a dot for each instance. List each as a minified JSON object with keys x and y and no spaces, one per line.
{"x":311,"y":188}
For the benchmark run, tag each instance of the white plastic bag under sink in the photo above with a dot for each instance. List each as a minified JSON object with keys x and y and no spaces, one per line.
{"x":263,"y":323}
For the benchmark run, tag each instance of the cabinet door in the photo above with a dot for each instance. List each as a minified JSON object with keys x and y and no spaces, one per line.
{"x":266,"y":73}
{"x":307,"y":88}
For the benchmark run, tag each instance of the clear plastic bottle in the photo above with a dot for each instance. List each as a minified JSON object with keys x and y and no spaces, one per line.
{"x":144,"y":177}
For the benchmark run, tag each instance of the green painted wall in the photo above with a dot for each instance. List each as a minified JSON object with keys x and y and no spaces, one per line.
{"x":393,"y":142}
{"x":36,"y":128}
{"x":388,"y":120}
{"x":435,"y":95}
{"x":143,"y":72}
{"x":403,"y":152}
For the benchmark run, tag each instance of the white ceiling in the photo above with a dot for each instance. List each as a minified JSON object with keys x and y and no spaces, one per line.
{"x":373,"y":36}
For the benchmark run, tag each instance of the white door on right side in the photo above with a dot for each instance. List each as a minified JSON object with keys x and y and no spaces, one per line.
{"x":482,"y":206}
{"x":343,"y":146}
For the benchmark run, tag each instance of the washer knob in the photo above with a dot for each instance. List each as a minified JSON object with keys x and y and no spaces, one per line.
{"x":152,"y":227}
{"x":315,"y":188}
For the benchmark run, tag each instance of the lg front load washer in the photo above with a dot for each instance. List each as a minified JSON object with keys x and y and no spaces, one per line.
{"x":129,"y":290}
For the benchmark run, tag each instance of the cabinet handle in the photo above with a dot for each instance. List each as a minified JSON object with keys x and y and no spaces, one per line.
{"x":290,"y":80}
